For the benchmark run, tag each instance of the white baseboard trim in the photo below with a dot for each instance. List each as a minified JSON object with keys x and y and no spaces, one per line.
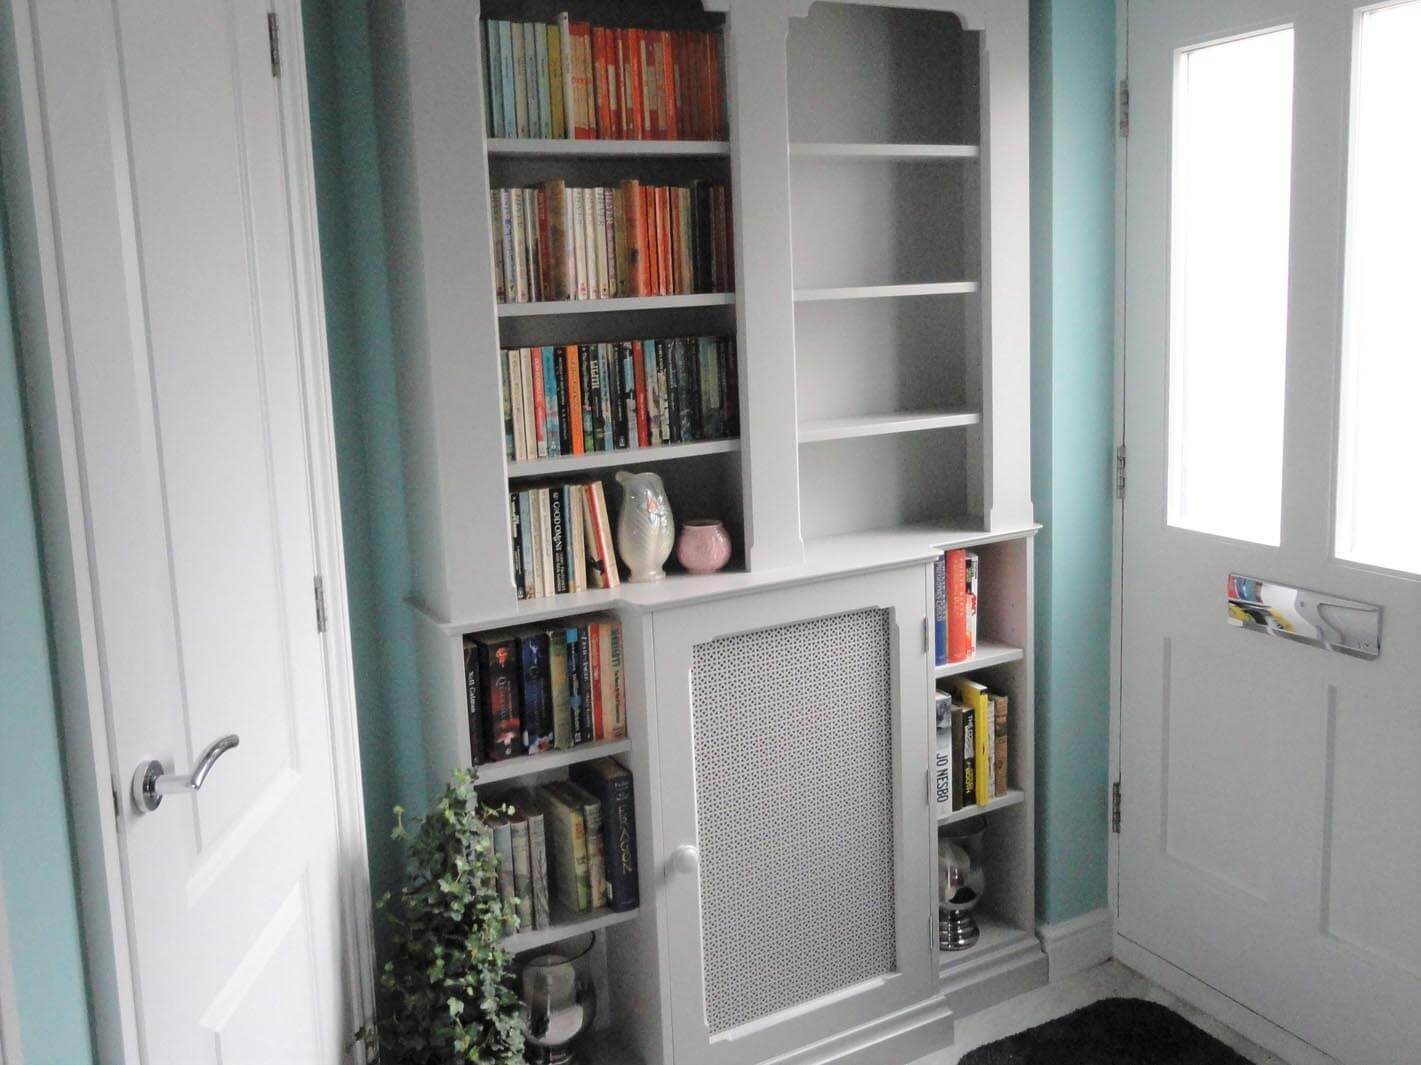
{"x":1078,"y":944}
{"x":1252,"y":1026}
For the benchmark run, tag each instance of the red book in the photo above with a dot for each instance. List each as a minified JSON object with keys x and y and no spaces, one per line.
{"x":668,"y":87}
{"x":651,"y":104}
{"x":545,"y":247}
{"x":643,"y":423}
{"x":499,"y":688}
{"x":717,"y":89}
{"x":540,"y":410}
{"x":653,"y":253}
{"x":623,"y":117}
{"x":599,"y":710}
{"x":574,"y":403}
{"x":601,"y":105}
{"x":581,"y":44}
{"x":635,"y":102}
{"x":636,"y":236}
{"x":957,"y":605}
{"x":663,"y":240}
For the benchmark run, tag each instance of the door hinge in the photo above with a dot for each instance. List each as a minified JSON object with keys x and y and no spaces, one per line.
{"x":1115,"y":808}
{"x":1120,"y":472}
{"x":320,"y":605}
{"x":1122,"y":104}
{"x":273,"y":36}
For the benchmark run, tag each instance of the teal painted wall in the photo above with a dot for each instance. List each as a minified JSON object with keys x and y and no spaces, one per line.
{"x":1072,"y":352}
{"x":36,"y":860}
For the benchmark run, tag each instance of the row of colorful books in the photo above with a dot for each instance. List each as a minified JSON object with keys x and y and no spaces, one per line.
{"x":554,"y":242}
{"x":571,"y":841}
{"x":972,"y":748}
{"x":575,"y":80}
{"x":575,"y":399}
{"x":956,"y":575}
{"x":562,"y":539}
{"x":542,"y":689}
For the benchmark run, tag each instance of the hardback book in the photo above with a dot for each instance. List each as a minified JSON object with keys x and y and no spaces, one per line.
{"x":956,"y":605}
{"x":964,"y":758}
{"x":976,"y":698}
{"x":503,"y":849}
{"x":940,"y":609}
{"x":474,"y":696}
{"x":999,"y":757}
{"x":522,"y":867}
{"x":499,"y":688}
{"x":596,"y":856}
{"x":567,"y":849}
{"x":527,"y":805}
{"x":537,"y":710}
{"x":973,"y":570}
{"x":614,"y":680}
{"x":559,"y":688}
{"x":942,"y":755}
{"x":611,"y":783}
{"x":565,"y":724}
{"x":560,"y":236}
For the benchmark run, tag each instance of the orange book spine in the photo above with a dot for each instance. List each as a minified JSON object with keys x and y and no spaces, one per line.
{"x":663,"y":240}
{"x":636,"y":236}
{"x":643,"y":421}
{"x":956,"y":605}
{"x":574,"y":400}
{"x":635,"y":104}
{"x":717,"y":89}
{"x":668,"y":87}
{"x":602,"y":110}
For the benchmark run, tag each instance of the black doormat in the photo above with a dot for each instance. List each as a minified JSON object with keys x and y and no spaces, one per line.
{"x":1113,"y":1031}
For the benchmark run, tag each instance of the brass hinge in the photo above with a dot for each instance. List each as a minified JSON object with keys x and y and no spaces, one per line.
{"x":1122,"y":99}
{"x":1115,"y":808}
{"x":320,"y":605}
{"x":1120,"y":472}
{"x":273,"y":36}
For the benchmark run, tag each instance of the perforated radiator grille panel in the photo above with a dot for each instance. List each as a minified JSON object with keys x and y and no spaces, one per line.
{"x":794,"y":812}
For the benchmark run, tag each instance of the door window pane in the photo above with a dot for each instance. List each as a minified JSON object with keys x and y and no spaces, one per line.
{"x":1230,"y":195}
{"x":1379,"y":480}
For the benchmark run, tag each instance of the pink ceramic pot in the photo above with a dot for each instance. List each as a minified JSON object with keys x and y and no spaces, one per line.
{"x":703,"y":546}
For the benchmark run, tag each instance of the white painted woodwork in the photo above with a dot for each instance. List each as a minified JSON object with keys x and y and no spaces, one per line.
{"x":9,"y":1011}
{"x":1269,"y":847}
{"x":591,"y":149}
{"x":171,"y":326}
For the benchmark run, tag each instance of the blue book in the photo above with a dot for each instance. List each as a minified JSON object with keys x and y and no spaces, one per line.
{"x":505,"y":58}
{"x":610,"y":783}
{"x":940,"y":609}
{"x":493,"y":83}
{"x":537,"y":694}
{"x":550,"y":400}
{"x":575,"y":694}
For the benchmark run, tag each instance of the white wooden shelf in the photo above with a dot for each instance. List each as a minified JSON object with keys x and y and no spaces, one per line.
{"x":1013,"y":797}
{"x":600,"y":149}
{"x":527,"y":764}
{"x":619,"y":303}
{"x":565,"y":925}
{"x":988,"y":654}
{"x":995,"y":937}
{"x":599,"y":460}
{"x":905,"y":153}
{"x":819,"y":430}
{"x":876,"y":292}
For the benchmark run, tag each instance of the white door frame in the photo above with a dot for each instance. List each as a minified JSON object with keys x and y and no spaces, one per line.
{"x":44,"y":333}
{"x":9,"y":1014}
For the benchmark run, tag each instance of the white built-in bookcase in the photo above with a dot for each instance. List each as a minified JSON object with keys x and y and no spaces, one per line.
{"x":877,"y":162}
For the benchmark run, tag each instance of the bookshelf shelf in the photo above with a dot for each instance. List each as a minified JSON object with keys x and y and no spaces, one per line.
{"x":565,"y":925}
{"x":823,"y":429}
{"x":604,"y":459}
{"x":1013,"y":797}
{"x":997,"y":939}
{"x":527,"y":764}
{"x":600,"y":149}
{"x":611,"y":306}
{"x":988,"y":654}
{"x":878,"y":292}
{"x":893,"y":153}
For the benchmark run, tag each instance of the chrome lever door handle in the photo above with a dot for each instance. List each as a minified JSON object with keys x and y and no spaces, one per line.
{"x":150,"y":783}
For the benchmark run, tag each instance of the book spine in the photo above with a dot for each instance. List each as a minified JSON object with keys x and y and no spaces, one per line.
{"x":999,"y":758}
{"x":530,"y":71}
{"x":560,"y":694}
{"x":617,"y":690}
{"x":503,"y":848}
{"x":538,"y":870}
{"x":711,"y":426}
{"x":530,"y":238}
{"x":522,"y":870}
{"x":956,"y":605}
{"x":500,"y":285}
{"x":536,"y":692}
{"x":643,"y":411}
{"x":635,"y":237}
{"x":665,"y":78}
{"x":545,"y":539}
{"x":565,"y":727}
{"x":973,"y":567}
{"x":573,"y":370}
{"x":596,"y":854}
{"x":959,"y":737}
{"x":473,"y":695}
{"x":969,"y":756}
{"x":530,"y":427}
{"x":506,"y":396}
{"x":515,"y":529}
{"x":599,"y":690}
{"x":493,"y":80}
{"x":626,"y":355}
{"x":603,"y":109}
{"x":498,"y":676}
{"x":600,"y":233}
{"x":982,"y":736}
{"x":525,"y":545}
{"x":582,"y":724}
{"x":619,"y":231}
{"x":942,"y":770}
{"x":940,"y":609}
{"x":589,"y":238}
{"x":540,"y":403}
{"x":520,"y":81}
{"x":614,"y":789}
{"x":569,"y":91}
{"x":552,"y":426}
{"x":636,"y":125}
{"x":557,"y":529}
{"x":553,"y":33}
{"x":586,"y":368}
{"x":544,"y":78}
{"x":507,"y":77}
{"x":575,"y":538}
{"x":553,"y":200}
{"x":564,"y":398}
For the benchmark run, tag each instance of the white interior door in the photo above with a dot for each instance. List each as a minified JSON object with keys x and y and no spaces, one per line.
{"x":1270,"y":844}
{"x":167,"y":137}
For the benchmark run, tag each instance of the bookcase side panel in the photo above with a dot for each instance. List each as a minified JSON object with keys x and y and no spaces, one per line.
{"x":437,"y":236}
{"x":444,"y":718}
{"x":1006,"y":265}
{"x":757,"y":89}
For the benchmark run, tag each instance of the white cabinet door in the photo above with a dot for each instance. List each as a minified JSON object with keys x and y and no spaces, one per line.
{"x":796,"y":851}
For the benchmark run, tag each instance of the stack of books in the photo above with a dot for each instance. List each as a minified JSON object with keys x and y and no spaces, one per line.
{"x":575,"y":80}
{"x":543,"y":689}
{"x":575,"y":399}
{"x":562,"y":539}
{"x":956,"y":576}
{"x":553,"y":242}
{"x":971,"y":761}
{"x":569,"y":842}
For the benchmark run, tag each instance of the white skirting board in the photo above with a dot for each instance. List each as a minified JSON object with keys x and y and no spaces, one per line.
{"x":1240,"y":1018}
{"x":1075,"y":945}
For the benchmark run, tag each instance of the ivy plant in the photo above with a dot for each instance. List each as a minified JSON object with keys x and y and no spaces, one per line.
{"x":447,"y":996}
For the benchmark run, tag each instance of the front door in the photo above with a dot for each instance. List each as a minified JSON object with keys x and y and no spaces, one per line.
{"x":167,"y":143}
{"x":1270,"y":841}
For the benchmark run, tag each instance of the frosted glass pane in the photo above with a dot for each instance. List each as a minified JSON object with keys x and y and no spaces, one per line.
{"x":1379,"y":483}
{"x":1233,"y":119}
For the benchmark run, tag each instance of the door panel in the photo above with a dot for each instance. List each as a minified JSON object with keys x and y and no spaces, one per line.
{"x":794,"y":723}
{"x":1267,"y":843}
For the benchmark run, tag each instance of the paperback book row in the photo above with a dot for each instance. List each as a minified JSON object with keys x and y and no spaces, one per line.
{"x":562,"y":539}
{"x":575,"y":80}
{"x":553,"y":242}
{"x":542,"y":689}
{"x":576,"y":399}
{"x":570,"y":842}
{"x":971,"y":758}
{"x":955,"y":576}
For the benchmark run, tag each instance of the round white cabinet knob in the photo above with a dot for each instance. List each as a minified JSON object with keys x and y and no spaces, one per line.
{"x":685,"y":859}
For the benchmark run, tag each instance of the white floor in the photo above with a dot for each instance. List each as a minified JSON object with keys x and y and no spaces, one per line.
{"x":1111,"y":980}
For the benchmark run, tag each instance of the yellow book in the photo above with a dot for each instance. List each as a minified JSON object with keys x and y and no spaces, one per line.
{"x":555,"y":90}
{"x":976,"y":697}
